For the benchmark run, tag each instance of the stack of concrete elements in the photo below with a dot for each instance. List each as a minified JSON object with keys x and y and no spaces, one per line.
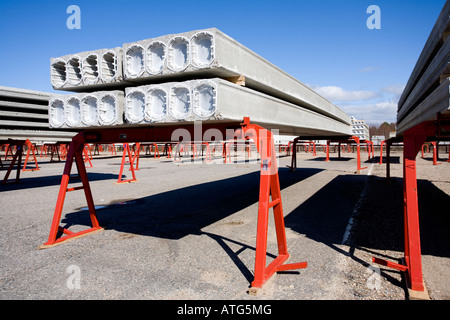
{"x":180,"y":78}
{"x":427,"y":92}
{"x":24,"y":115}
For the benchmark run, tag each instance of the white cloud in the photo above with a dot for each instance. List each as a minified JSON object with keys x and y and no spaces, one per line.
{"x":373,"y":112}
{"x":367,"y":69}
{"x":334,"y":93}
{"x":372,"y":106}
{"x":395,"y":89}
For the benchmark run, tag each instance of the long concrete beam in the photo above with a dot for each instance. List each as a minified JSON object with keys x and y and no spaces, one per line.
{"x":209,"y":100}
{"x":437,"y":102}
{"x":427,"y":91}
{"x":435,"y":40}
{"x":79,"y":110}
{"x":211,"y":53}
{"x":88,"y":70}
{"x":37,"y":136}
{"x":198,"y":54}
{"x":24,"y":115}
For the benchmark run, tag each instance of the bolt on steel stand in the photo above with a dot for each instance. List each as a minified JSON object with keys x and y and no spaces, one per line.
{"x":413,"y":140}
{"x":269,"y":194}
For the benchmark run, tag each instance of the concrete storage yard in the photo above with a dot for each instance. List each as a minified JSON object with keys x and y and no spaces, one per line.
{"x":214,"y":226}
{"x":187,"y":231}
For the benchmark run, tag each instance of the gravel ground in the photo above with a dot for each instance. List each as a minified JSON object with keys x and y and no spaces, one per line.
{"x":187,"y":231}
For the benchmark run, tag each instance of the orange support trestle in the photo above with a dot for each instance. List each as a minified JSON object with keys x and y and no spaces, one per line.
{"x":358,"y":155}
{"x":16,"y":157}
{"x":31,"y":149}
{"x":269,"y":197}
{"x":126,"y":150}
{"x":413,"y":139}
{"x":75,"y":153}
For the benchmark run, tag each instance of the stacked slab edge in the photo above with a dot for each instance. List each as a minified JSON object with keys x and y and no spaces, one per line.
{"x":179,"y":78}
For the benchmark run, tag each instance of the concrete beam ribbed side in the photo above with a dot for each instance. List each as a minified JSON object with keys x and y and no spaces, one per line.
{"x":211,"y":53}
{"x":427,"y":91}
{"x":214,"y":100}
{"x":24,"y":115}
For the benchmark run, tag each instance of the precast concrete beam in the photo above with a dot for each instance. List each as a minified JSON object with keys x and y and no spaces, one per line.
{"x":210,"y":53}
{"x":87,"y":70}
{"x":37,"y":136}
{"x":437,"y":37}
{"x":24,"y":115}
{"x":80,"y":110}
{"x":436,"y":102}
{"x":426,"y":92}
{"x":211,"y":101}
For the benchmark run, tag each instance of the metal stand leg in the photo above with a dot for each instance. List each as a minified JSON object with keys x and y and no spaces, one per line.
{"x":126,"y":150}
{"x":412,"y":142}
{"x":269,"y":188}
{"x":75,"y":153}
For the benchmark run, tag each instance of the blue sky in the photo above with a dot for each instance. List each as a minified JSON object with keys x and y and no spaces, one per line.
{"x":324,"y":44}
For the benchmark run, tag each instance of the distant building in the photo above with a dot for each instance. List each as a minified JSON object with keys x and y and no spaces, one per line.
{"x":377,"y":140}
{"x":360,"y":129}
{"x":282,"y":139}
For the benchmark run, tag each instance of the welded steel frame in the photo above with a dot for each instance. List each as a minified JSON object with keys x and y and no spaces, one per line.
{"x":413,"y":139}
{"x":17,"y":157}
{"x":338,"y":139}
{"x":269,"y":192}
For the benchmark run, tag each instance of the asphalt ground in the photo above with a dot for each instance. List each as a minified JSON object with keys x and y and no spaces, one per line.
{"x":187,"y":231}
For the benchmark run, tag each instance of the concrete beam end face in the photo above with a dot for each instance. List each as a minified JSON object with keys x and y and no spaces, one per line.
{"x":134,"y":62}
{"x":72,"y":111}
{"x":156,"y":104}
{"x":90,"y":69}
{"x":73,"y":70}
{"x":56,"y":114}
{"x":111,"y":65}
{"x":202,"y":49}
{"x":58,"y":75}
{"x":110,"y":108}
{"x":156,"y":57}
{"x":135,"y":106}
{"x":180,"y":107}
{"x":204,"y":100}
{"x":89,"y":110}
{"x":178,"y":57}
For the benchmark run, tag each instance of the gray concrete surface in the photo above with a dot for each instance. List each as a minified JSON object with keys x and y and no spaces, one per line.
{"x":187,"y":231}
{"x":226,"y":101}
{"x":427,"y":92}
{"x":211,"y":53}
{"x":24,"y":115}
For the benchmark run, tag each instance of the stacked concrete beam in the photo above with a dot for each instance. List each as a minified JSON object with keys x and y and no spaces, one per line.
{"x":80,"y":110}
{"x":211,"y":53}
{"x":218,"y":100}
{"x":154,"y":74}
{"x":427,"y":91}
{"x":87,"y":70}
{"x":24,"y":115}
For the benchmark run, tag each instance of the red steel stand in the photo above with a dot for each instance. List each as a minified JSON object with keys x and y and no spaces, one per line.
{"x":349,"y":140}
{"x":413,"y":139}
{"x":75,"y":152}
{"x":269,"y":193}
{"x":31,"y":149}
{"x":126,"y":150}
{"x":16,"y":157}
{"x":269,"y":197}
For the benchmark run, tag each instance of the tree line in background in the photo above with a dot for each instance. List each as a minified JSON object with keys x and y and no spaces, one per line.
{"x":381,"y":129}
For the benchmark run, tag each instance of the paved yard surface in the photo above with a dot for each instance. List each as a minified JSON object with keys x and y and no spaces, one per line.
{"x":187,"y":231}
